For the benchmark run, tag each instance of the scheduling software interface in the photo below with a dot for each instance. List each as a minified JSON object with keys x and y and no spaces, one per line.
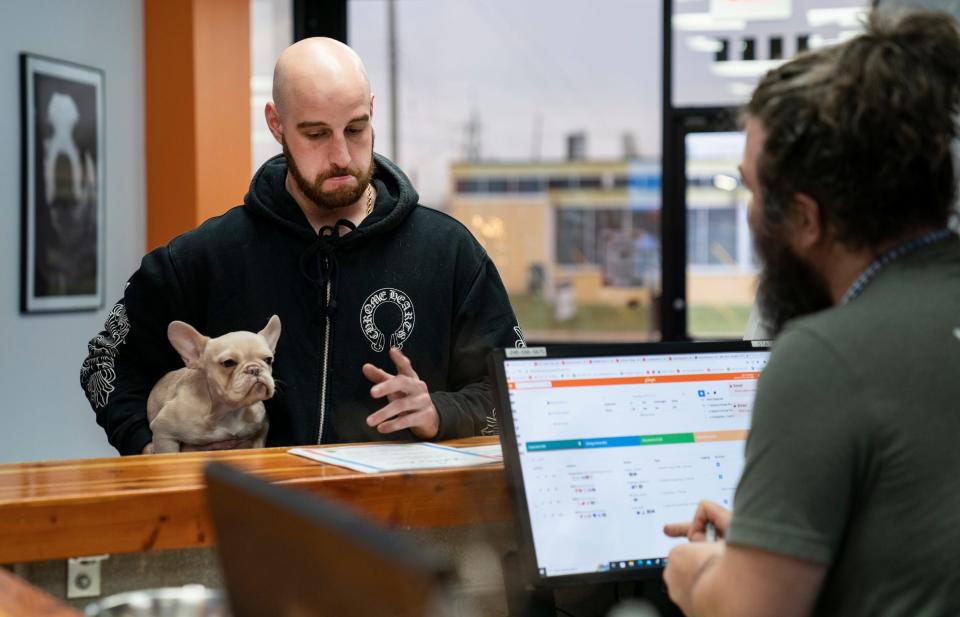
{"x":612,"y":448}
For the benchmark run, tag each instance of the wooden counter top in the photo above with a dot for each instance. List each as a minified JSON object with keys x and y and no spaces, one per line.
{"x":60,"y":509}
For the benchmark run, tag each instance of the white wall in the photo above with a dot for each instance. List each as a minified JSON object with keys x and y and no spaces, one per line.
{"x":43,"y":414}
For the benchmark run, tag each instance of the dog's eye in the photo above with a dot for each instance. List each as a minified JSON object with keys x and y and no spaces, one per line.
{"x":229,"y":363}
{"x":269,"y":361}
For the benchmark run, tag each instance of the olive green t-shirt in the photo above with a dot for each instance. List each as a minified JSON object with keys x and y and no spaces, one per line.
{"x":853,"y":458}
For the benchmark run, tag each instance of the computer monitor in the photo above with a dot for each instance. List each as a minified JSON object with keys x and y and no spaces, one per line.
{"x":603,"y":445}
{"x":287,"y":553}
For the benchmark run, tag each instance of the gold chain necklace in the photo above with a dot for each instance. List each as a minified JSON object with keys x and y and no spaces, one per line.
{"x":370,"y":194}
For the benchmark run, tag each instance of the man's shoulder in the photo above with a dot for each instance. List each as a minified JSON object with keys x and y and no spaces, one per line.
{"x":905,"y":319}
{"x":216,"y":230}
{"x":438,"y":219}
{"x":903,"y":307}
{"x":436,"y":226}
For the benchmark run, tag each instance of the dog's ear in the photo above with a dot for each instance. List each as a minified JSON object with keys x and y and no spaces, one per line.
{"x":272,"y":332}
{"x":188,"y":342}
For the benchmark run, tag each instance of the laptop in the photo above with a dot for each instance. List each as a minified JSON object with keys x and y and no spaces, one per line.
{"x":288,"y":553}
{"x":604,"y":444}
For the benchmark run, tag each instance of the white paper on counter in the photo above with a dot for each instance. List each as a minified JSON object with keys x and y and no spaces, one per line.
{"x":383,"y":457}
{"x":492,"y":451}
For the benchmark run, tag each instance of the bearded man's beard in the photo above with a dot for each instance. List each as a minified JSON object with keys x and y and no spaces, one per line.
{"x":340,"y":197}
{"x":788,"y":287}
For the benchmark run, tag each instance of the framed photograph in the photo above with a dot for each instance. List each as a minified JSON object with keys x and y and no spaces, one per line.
{"x":62,"y":243}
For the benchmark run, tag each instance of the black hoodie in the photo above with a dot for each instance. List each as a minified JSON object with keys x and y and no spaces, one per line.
{"x":409,"y":276}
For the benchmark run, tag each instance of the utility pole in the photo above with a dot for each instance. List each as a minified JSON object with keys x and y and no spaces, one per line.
{"x":472,"y":144}
{"x":536,"y":144}
{"x":394,"y":97}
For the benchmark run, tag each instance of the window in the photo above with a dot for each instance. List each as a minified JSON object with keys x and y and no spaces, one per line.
{"x":471,"y":185}
{"x":718,"y":51}
{"x":712,"y":237}
{"x":530,"y":185}
{"x":590,"y":182}
{"x":622,"y":243}
{"x":537,"y":125}
{"x":776,"y":47}
{"x":720,"y":270}
{"x":271,"y":31}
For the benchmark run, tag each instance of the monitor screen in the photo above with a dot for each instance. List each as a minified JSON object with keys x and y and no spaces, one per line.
{"x":612,"y":447}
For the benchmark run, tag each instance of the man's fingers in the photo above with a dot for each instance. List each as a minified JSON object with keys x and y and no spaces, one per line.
{"x":375,"y":374}
{"x":695,"y":531}
{"x":399,"y":423}
{"x":398,"y":407}
{"x":423,"y":423}
{"x":401,"y":384}
{"x":403,"y":364}
{"x":710,"y":512}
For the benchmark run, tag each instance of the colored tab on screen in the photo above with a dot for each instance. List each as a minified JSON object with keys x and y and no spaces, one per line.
{"x":635,"y":440}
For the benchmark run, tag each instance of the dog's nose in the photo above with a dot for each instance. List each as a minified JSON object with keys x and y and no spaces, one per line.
{"x":253,"y":370}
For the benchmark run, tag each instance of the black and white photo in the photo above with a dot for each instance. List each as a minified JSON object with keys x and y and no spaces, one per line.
{"x":63,"y":185}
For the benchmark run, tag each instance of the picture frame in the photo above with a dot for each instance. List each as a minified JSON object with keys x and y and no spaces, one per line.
{"x":63,"y":185}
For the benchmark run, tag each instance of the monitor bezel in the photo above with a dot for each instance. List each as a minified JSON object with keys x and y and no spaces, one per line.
{"x":511,"y":454}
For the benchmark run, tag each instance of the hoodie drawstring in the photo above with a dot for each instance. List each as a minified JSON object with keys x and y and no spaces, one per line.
{"x":323,"y":251}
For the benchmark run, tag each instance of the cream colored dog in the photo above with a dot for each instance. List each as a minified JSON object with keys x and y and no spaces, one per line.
{"x":219,"y":395}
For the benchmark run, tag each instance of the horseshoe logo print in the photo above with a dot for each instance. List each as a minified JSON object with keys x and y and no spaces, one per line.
{"x":368,"y":323}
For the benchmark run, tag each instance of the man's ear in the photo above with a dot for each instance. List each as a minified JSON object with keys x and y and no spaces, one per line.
{"x":272,"y":116}
{"x":371,"y":107}
{"x":188,"y":342}
{"x":807,"y":227}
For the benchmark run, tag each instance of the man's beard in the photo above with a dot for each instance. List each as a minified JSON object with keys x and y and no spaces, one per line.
{"x":788,"y":286}
{"x":340,"y":197}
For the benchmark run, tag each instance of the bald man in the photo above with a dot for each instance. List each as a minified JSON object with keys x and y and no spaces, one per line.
{"x":388,"y":308}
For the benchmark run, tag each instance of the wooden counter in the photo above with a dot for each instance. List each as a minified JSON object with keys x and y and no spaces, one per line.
{"x":60,"y":509}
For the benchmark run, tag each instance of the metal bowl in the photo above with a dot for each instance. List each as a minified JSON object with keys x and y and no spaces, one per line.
{"x":186,"y":601}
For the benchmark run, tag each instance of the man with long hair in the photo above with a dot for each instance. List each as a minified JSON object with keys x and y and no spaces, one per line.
{"x":849,"y":497}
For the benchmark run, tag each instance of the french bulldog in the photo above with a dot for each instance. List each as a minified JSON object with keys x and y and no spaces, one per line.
{"x":219,"y":395}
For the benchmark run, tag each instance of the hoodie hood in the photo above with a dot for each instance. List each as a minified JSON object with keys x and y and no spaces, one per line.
{"x":268,"y":198}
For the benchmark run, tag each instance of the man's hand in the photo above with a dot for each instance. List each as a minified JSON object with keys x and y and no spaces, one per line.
{"x":685,"y":565}
{"x":695,"y":531}
{"x":409,"y":404}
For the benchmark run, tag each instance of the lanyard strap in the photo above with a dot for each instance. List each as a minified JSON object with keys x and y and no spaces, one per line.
{"x":890,"y":256}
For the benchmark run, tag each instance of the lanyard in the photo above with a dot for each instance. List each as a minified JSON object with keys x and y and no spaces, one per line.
{"x":890,"y":256}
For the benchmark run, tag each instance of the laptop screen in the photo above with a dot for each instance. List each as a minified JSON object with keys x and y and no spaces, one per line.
{"x":607,"y":448}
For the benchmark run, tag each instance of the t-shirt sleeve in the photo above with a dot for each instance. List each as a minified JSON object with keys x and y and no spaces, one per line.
{"x":805,"y":452}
